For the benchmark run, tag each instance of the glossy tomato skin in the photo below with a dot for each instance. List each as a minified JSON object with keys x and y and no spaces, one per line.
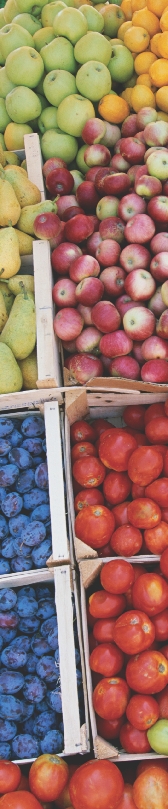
{"x":137,"y":491}
{"x":96,"y":784}
{"x":106,"y":605}
{"x":142,"y":711}
{"x":19,"y":800}
{"x":111,"y":697}
{"x":164,"y":563}
{"x":10,"y":776}
{"x":140,"y":438}
{"x":82,"y":431}
{"x":106,"y":659}
{"x":157,"y":430}
{"x":82,"y":449}
{"x":126,"y":540}
{"x":165,"y":463}
{"x":64,"y":801}
{"x":109,"y":730}
{"x":89,"y":472}
{"x":133,"y":740}
{"x":146,"y":765}
{"x":150,"y":593}
{"x":144,"y":512}
{"x":154,"y":411}
{"x":48,"y":776}
{"x":158,"y":491}
{"x":134,"y":416}
{"x":151,"y":788}
{"x":134,"y":632}
{"x":100,"y":425}
{"x":117,"y":576}
{"x":103,"y":630}
{"x":120,"y":513}
{"x":115,"y":449}
{"x":88,"y":497}
{"x":161,"y":626}
{"x":157,"y":538}
{"x":147,"y":673}
{"x":145,"y":465}
{"x":162,"y":700}
{"x":116,"y":487}
{"x":138,"y":570}
{"x":127,"y":801}
{"x":94,"y":525}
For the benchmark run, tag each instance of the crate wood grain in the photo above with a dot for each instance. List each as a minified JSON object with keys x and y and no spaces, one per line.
{"x":48,"y":358}
{"x":34,"y":161}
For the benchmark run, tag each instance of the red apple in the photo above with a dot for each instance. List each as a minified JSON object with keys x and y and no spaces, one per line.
{"x":79,"y":228}
{"x":64,"y":202}
{"x":118,"y":163}
{"x":147,"y":186}
{"x":159,"y":243}
{"x":70,"y":213}
{"x":112,"y":135}
{"x":132,"y":149}
{"x":93,"y":243}
{"x":88,"y":341}
{"x":140,"y":285}
{"x":106,"y":363}
{"x":155,"y":149}
{"x":53,"y":163}
{"x":86,"y":312}
{"x":139,"y":229}
{"x":116,"y":344}
{"x":113,"y":279}
{"x":59,"y":181}
{"x":99,"y":179}
{"x":47,"y":226}
{"x":107,"y":206}
{"x":68,"y":324}
{"x":139,"y":323}
{"x":135,"y":257}
{"x":97,"y":155}
{"x":165,"y":188}
{"x":93,"y":131}
{"x":124,"y":303}
{"x":70,"y":346}
{"x":117,"y":183}
{"x":112,"y":228}
{"x":91,"y":173}
{"x":108,"y":252}
{"x":89,"y":291}
{"x":155,"y":371}
{"x":106,"y":317}
{"x":130,"y":205}
{"x":156,"y":133}
{"x":132,"y":172}
{"x":83,"y":367}
{"x":87,"y":196}
{"x":64,"y":293}
{"x":63,"y":255}
{"x":125,"y":367}
{"x":145,"y":116}
{"x":117,"y":146}
{"x":155,"y":348}
{"x":56,"y":240}
{"x":162,"y":325}
{"x":84,"y":266}
{"x":159,"y":266}
{"x":129,"y":126}
{"x":137,"y":351}
{"x":140,"y":136}
{"x":141,"y":170}
{"x":158,"y":208}
{"x":93,"y":219}
{"x":156,"y":304}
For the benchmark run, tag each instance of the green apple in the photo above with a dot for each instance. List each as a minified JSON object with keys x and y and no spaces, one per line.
{"x":48,"y":119}
{"x":93,"y":80}
{"x":49,"y":12}
{"x":91,"y":46}
{"x":73,"y":112}
{"x":22,"y":105}
{"x":80,"y":162}
{"x":2,"y":18}
{"x":78,"y":178}
{"x":13,"y":36}
{"x":10,"y":10}
{"x":121,"y":64}
{"x":113,"y":17}
{"x":59,"y":55}
{"x":25,"y":64}
{"x":39,"y":88}
{"x":4,"y":117}
{"x":28,"y":5}
{"x":5,"y":84}
{"x":58,"y":84}
{"x":11,"y":159}
{"x":158,"y":737}
{"x":157,"y":164}
{"x":57,"y":144}
{"x":70,"y":23}
{"x":14,"y":135}
{"x":42,"y":99}
{"x":29,"y":22}
{"x":43,"y":37}
{"x":94,"y":18}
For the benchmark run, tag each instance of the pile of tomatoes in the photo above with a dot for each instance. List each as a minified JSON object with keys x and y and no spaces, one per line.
{"x":47,"y":780}
{"x":120,"y":479}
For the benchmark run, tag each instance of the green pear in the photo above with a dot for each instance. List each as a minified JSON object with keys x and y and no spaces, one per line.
{"x":7,"y":295}
{"x":2,"y":18}
{"x":73,"y":112}
{"x":48,"y":119}
{"x":20,"y":336}
{"x":49,"y":12}
{"x":11,"y":159}
{"x":29,"y":213}
{"x":59,"y":54}
{"x":29,"y":371}
{"x":26,"y":192}
{"x":91,"y":46}
{"x":19,"y":283}
{"x":25,"y":64}
{"x":93,"y":80}
{"x":24,"y":105}
{"x":5,"y":84}
{"x":94,"y":18}
{"x":10,"y":10}
{"x":121,"y":64}
{"x":4,"y":117}
{"x":9,"y":253}
{"x":43,"y":37}
{"x":71,"y":24}
{"x":11,"y":379}
{"x":58,"y":84}
{"x":57,"y":144}
{"x":25,"y":6}
{"x":29,"y":22}
{"x":13,"y":36}
{"x":80,"y":161}
{"x":14,"y":135}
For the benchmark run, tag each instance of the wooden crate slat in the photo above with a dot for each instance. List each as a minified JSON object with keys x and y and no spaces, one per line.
{"x":49,"y":373}
{"x":60,"y":542}
{"x":34,"y":161}
{"x":70,"y":706}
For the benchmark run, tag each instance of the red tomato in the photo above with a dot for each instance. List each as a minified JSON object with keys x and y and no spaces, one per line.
{"x":151,"y":789}
{"x":103,"y":630}
{"x":138,"y":570}
{"x":64,"y":801}
{"x":158,"y":491}
{"x":147,"y":673}
{"x":157,"y":430}
{"x":127,"y":798}
{"x":145,"y":465}
{"x":106,"y":605}
{"x":19,"y":800}
{"x":162,"y":700}
{"x":24,"y":783}
{"x":117,"y":576}
{"x":115,"y":449}
{"x":156,"y":539}
{"x":139,"y":437}
{"x":96,"y":784}
{"x":82,"y":431}
{"x":137,"y":491}
{"x":126,"y":540}
{"x":48,"y":776}
{"x":92,"y":642}
{"x":134,"y":632}
{"x":150,"y":593}
{"x":164,"y":513}
{"x":142,"y":711}
{"x":111,"y":697}
{"x":105,"y":551}
{"x":164,"y":563}
{"x":165,"y":463}
{"x":161,"y":625}
{"x":154,"y":411}
{"x":164,"y":650}
{"x":116,"y":487}
{"x":134,"y":416}
{"x":10,"y":776}
{"x":89,"y":472}
{"x":88,"y":497}
{"x":106,"y":659}
{"x":144,"y":513}
{"x":146,"y":765}
{"x":133,"y":740}
{"x":94,"y":525}
{"x":120,"y":514}
{"x":100,"y":425}
{"x":109,"y":730}
{"x":82,"y":449}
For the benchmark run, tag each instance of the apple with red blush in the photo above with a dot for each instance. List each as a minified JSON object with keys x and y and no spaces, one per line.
{"x":70,"y":213}
{"x":129,"y":126}
{"x":132,"y":173}
{"x":112,"y":135}
{"x":79,"y":228}
{"x":63,"y":255}
{"x":91,"y":173}
{"x":117,"y":183}
{"x":64,"y":202}
{"x":47,"y":226}
{"x":156,"y":133}
{"x":139,"y":323}
{"x":165,"y":188}
{"x":112,"y":228}
{"x":82,"y":267}
{"x":159,"y":267}
{"x":118,"y":163}
{"x":83,"y":367}
{"x":53,"y":163}
{"x":140,"y":285}
{"x":162,"y":325}
{"x":63,"y":293}
{"x":93,"y":243}
{"x":88,"y":341}
{"x":105,"y":317}
{"x":125,"y":368}
{"x":70,"y":346}
{"x":159,"y":243}
{"x":135,"y":257}
{"x":87,"y":196}
{"x":107,"y":206}
{"x":116,"y":344}
{"x":93,"y":131}
{"x":124,"y":303}
{"x":156,"y":304}
{"x":140,"y":228}
{"x":58,"y":238}
{"x":86,"y":313}
{"x":137,"y":351}
{"x":155,"y":371}
{"x":113,"y":279}
{"x":97,"y":155}
{"x":147,"y":186}
{"x":132,"y":149}
{"x":155,"y":348}
{"x":158,"y":208}
{"x":145,"y":116}
{"x":108,"y":252}
{"x":59,"y":181}
{"x":68,"y":324}
{"x":130,"y":205}
{"x":89,"y":291}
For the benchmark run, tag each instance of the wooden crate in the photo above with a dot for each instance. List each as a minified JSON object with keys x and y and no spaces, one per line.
{"x":80,"y":404}
{"x":89,"y":570}
{"x":34,"y":161}
{"x":76,"y":737}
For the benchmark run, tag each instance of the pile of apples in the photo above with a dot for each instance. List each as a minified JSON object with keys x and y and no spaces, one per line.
{"x":111,"y":254}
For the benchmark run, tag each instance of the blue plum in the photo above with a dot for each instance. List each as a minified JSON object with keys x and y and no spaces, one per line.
{"x":13,"y":658}
{"x":26,"y":590}
{"x":5,"y":446}
{"x":28,"y":710}
{"x":41,"y":476}
{"x":33,"y":445}
{"x":4,"y":567}
{"x":37,"y":460}
{"x":46,"y":609}
{"x":34,"y":689}
{"x":11,"y":682}
{"x":44,"y":592}
{"x":11,"y":707}
{"x":8,"y":548}
{"x":35,"y":498}
{"x":5,"y":751}
{"x":21,"y":457}
{"x":21,"y":549}
{"x":52,"y":742}
{"x":43,"y":723}
{"x":31,"y":663}
{"x":7,"y":730}
{"x":8,"y":635}
{"x":12,"y":504}
{"x":33,"y":534}
{"x":27,"y":605}
{"x":19,"y":564}
{"x":27,"y":726}
{"x":8,"y":620}
{"x":39,"y":646}
{"x":41,"y":706}
{"x":16,"y":438}
{"x":6,"y":427}
{"x":3,"y":494}
{"x":29,"y":625}
{"x":22,"y":642}
{"x":17,"y":524}
{"x":32,"y":426}
{"x":53,"y":638}
{"x":25,"y":481}
{"x":46,"y":668}
{"x":25,"y":746}
{"x":3,"y":527}
{"x":9,"y":474}
{"x":8,"y":599}
{"x":48,"y":625}
{"x":54,"y":700}
{"x":44,"y":445}
{"x":41,"y":513}
{"x":42,"y":553}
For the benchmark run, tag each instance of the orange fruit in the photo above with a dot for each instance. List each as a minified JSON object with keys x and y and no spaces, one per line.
{"x":163,"y":45}
{"x":156,"y":6}
{"x":142,"y":96}
{"x":123,"y":28}
{"x":113,"y":108}
{"x":137,"y":5}
{"x":136,"y":39}
{"x":148,"y":20}
{"x":162,"y":116}
{"x":144,"y":78}
{"x":162,"y":98}
{"x":154,"y":44}
{"x":127,"y":95}
{"x":126,"y":7}
{"x":159,"y":72}
{"x":164,"y":20}
{"x":143,"y":62}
